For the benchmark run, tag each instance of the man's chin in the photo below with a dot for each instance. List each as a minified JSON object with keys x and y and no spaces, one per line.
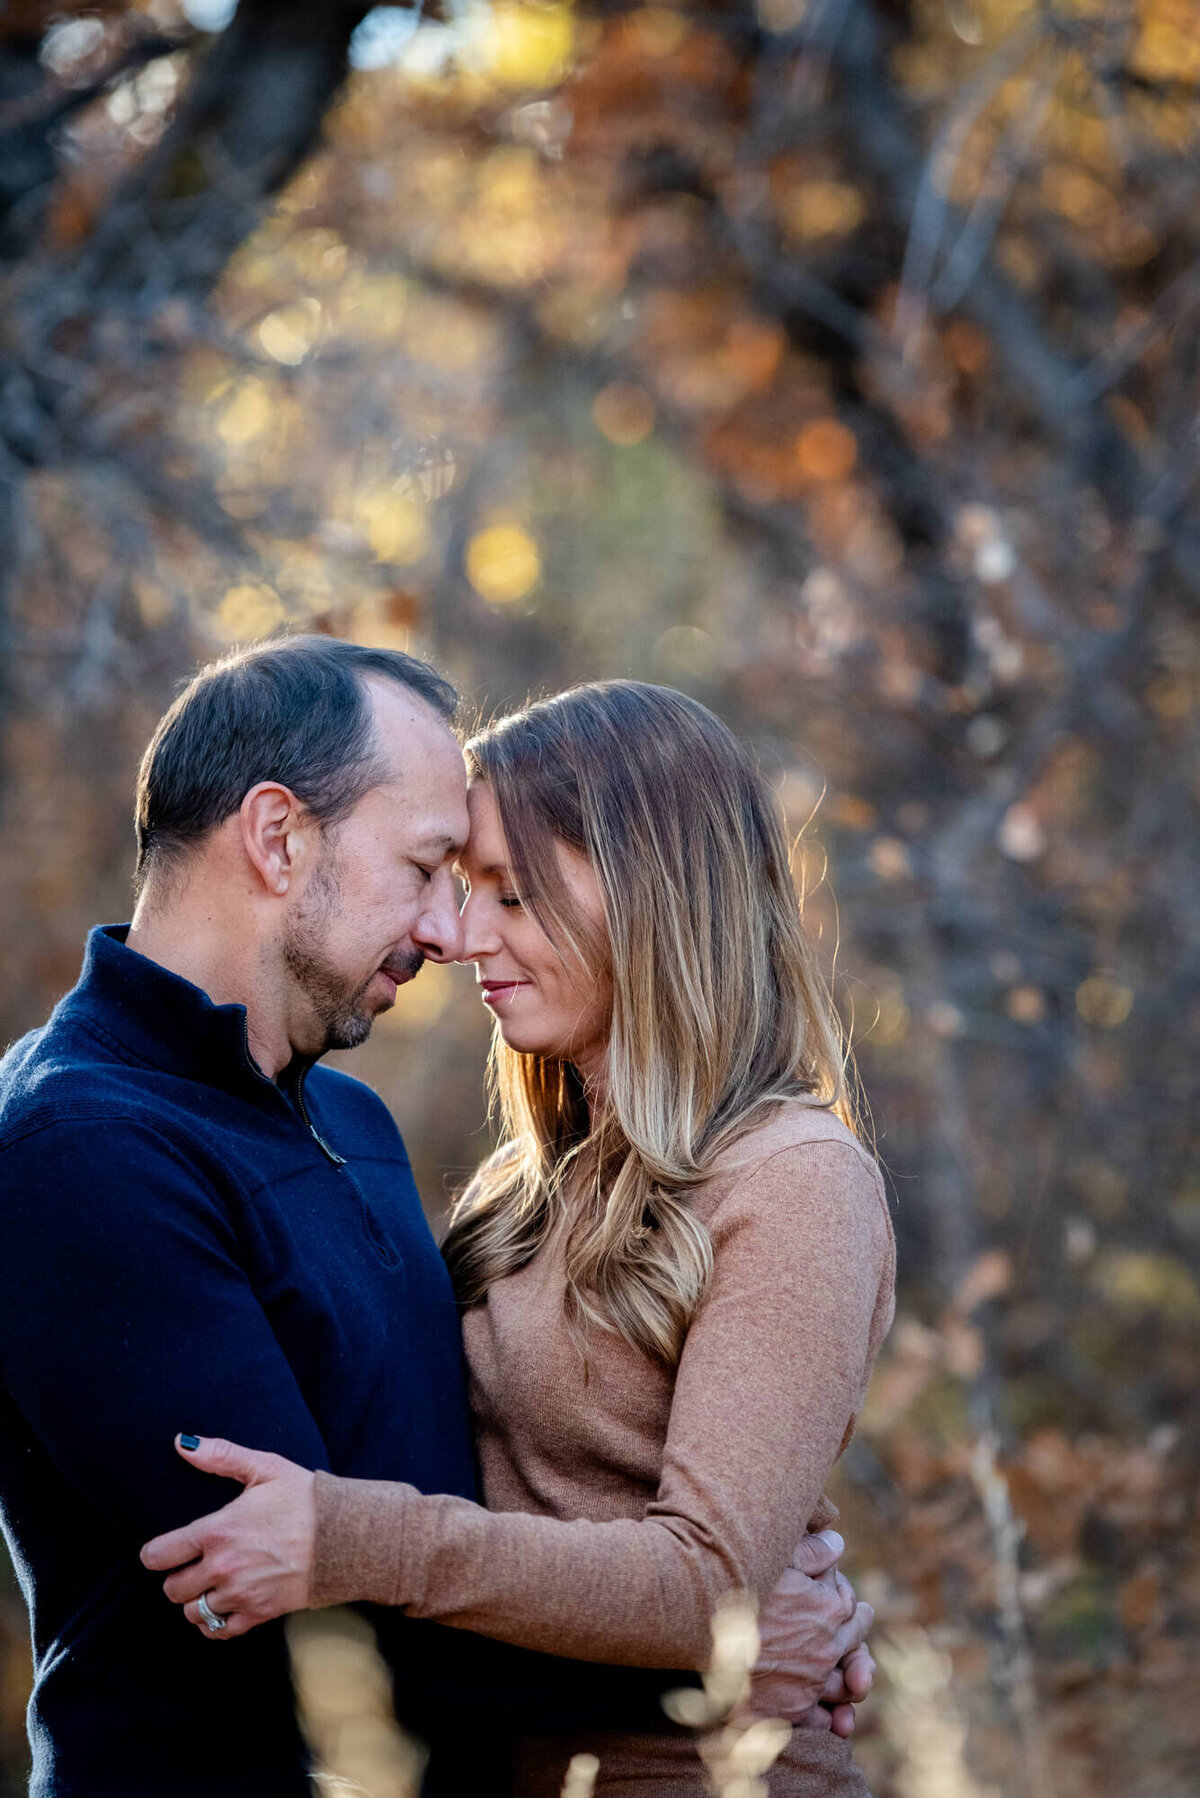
{"x":379,"y":997}
{"x":349,"y":1033}
{"x":353,"y":1026}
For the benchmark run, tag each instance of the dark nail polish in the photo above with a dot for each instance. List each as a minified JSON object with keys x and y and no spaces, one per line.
{"x":189,"y":1442}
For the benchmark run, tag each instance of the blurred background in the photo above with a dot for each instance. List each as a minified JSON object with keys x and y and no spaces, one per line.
{"x":838,"y":362}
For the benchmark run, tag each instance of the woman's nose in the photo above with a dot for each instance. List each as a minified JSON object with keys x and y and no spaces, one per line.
{"x":479,"y":936}
{"x":439,"y":931}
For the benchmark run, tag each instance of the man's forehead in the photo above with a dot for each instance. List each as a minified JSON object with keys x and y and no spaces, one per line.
{"x":423,"y":774}
{"x":410,"y":734}
{"x":403,"y":713}
{"x":427,"y":807}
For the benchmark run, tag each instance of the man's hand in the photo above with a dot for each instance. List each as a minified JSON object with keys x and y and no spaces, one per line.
{"x":814,"y":1665}
{"x":250,"y":1561}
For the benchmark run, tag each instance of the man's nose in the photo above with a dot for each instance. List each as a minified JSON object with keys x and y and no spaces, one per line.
{"x":439,"y":931}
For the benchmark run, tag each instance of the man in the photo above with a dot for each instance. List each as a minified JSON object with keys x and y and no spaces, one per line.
{"x":201,"y":1227}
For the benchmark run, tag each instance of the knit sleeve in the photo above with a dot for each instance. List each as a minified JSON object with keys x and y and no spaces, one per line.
{"x":771,"y":1379}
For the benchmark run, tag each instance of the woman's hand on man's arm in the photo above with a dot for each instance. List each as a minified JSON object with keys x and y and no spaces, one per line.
{"x":252,"y":1560}
{"x":814,"y":1665}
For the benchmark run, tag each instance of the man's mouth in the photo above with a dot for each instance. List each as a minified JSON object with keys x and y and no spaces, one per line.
{"x":401,"y":969}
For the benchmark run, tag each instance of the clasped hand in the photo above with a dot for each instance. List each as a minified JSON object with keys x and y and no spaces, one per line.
{"x":252,"y":1560}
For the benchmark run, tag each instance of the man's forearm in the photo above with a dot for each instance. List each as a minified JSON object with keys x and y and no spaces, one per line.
{"x":439,"y":1674}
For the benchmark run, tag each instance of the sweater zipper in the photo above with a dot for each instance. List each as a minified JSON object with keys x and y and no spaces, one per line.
{"x":329,"y":1153}
{"x":386,"y":1251}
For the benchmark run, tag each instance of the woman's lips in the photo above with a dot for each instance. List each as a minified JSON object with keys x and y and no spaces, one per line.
{"x":495,"y":991}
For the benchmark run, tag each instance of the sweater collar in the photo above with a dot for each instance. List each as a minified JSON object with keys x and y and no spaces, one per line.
{"x":164,"y":1020}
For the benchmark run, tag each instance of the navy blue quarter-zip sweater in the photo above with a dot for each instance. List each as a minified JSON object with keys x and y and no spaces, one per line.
{"x":187,"y":1245}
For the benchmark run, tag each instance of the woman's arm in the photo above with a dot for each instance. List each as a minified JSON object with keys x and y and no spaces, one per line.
{"x":767,"y":1389}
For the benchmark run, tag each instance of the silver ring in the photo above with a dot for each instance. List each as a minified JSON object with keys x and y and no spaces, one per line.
{"x":209,"y":1615}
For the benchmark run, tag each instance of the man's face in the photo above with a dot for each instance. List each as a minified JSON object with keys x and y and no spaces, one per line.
{"x":380,"y":896}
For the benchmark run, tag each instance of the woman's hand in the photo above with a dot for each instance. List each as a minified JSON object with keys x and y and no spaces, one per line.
{"x":250,"y":1561}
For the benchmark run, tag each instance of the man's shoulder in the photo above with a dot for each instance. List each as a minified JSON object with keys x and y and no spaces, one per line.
{"x":59,"y":1078}
{"x":42,"y":1074}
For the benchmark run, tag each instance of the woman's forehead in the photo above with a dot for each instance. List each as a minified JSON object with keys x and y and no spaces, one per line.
{"x":486,"y":850}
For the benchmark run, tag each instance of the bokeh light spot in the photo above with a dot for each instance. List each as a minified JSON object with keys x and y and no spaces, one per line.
{"x":624,"y":413}
{"x":289,"y":333}
{"x":1021,"y":836}
{"x":396,"y":525}
{"x":688,"y":650}
{"x":524,"y":45}
{"x":892,"y":1018}
{"x":249,"y":611}
{"x":503,"y":563}
{"x":945,"y":1019}
{"x":246,"y":414}
{"x":890,"y":859}
{"x":658,"y":30}
{"x":780,"y":15}
{"x":1025,"y":1004}
{"x":826,"y":450}
{"x":1103,"y":1001}
{"x":813,"y":209}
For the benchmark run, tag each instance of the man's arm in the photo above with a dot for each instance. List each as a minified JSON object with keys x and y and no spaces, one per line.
{"x":812,"y":1637}
{"x":126,"y":1314}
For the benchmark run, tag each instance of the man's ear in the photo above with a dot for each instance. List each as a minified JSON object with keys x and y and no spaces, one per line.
{"x":276,"y":833}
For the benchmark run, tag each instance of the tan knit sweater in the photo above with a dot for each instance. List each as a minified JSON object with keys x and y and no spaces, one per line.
{"x":624,"y":1500}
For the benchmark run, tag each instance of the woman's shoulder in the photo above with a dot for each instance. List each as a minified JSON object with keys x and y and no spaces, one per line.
{"x":799,"y":1161}
{"x":787,"y":1128}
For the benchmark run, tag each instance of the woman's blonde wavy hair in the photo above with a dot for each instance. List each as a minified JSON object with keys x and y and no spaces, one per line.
{"x":719,"y":1009}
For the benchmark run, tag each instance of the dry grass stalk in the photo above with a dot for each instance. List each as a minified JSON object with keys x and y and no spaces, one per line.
{"x":923,"y":1719}
{"x":581,"y":1776}
{"x":344,"y":1701}
{"x":1017,"y":1670}
{"x":737,"y":1748}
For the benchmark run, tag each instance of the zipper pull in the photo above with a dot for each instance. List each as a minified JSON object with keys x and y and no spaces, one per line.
{"x":337,"y":1160}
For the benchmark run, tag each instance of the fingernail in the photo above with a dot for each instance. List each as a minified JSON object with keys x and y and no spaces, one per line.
{"x":189,"y":1442}
{"x":832,"y":1540}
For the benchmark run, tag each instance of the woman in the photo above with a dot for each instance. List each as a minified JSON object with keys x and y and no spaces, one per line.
{"x":676,"y":1270}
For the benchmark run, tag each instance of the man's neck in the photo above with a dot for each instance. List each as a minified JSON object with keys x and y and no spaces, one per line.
{"x":191,"y":940}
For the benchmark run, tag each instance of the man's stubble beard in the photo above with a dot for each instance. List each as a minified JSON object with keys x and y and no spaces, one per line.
{"x":340,"y":1009}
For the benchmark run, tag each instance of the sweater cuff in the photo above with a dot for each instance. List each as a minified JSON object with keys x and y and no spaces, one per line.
{"x":358,"y":1545}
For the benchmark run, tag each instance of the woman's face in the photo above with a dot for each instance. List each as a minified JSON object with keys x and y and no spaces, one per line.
{"x":544,"y":1003}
